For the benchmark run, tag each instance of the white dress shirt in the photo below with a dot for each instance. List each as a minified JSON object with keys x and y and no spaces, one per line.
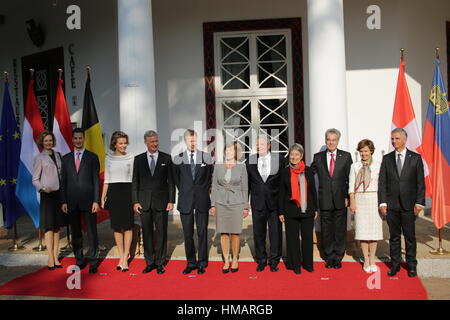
{"x":75,"y":152}
{"x":189,"y":152}
{"x":149,"y":159}
{"x":264,"y":160}
{"x":403,"y":157}
{"x":329,"y":158}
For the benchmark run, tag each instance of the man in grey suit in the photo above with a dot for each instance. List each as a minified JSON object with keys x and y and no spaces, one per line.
{"x":192,"y":175}
{"x":80,"y":185}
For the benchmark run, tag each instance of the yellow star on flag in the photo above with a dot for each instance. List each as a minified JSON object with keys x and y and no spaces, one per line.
{"x":1,"y":137}
{"x":13,"y":181}
{"x":16,"y":135}
{"x":2,"y":182}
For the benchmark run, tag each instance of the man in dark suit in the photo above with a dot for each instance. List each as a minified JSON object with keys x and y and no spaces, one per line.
{"x":80,"y":184}
{"x":263,"y":171}
{"x":333,"y":168}
{"x":153,"y":195}
{"x":193,"y":175}
{"x":401,"y":196}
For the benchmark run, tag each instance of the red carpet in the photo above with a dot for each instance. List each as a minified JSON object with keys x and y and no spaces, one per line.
{"x":350,"y":282}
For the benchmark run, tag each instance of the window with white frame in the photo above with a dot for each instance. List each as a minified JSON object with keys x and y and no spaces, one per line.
{"x":253,"y":87}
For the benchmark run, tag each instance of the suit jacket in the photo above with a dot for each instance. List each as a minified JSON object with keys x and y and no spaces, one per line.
{"x":233,"y":192}
{"x":45,"y":173}
{"x":193,"y":193}
{"x":405,"y":191}
{"x":288,"y":207}
{"x":153,"y":192}
{"x":80,"y":190}
{"x":265,"y":193}
{"x":332,"y":190}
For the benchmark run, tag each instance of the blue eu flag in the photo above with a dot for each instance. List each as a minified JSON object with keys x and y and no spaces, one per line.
{"x":9,"y":161}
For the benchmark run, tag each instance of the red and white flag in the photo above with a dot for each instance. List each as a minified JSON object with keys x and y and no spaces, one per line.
{"x":62,"y":128}
{"x":404,"y":117}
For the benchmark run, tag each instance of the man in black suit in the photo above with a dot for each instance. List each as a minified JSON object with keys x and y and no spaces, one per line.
{"x":263,"y":171}
{"x":153,"y":195}
{"x":193,"y":175}
{"x":401,"y":196}
{"x":333,"y":168}
{"x":80,"y":183}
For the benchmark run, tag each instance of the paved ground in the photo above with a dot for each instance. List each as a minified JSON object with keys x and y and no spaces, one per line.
{"x":434,"y":270}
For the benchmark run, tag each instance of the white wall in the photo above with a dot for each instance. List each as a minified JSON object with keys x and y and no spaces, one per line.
{"x":373,"y":58}
{"x":178,"y":34}
{"x":95,"y":45}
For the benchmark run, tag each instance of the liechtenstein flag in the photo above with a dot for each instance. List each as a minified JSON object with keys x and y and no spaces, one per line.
{"x":436,"y":146}
{"x":32,"y":128}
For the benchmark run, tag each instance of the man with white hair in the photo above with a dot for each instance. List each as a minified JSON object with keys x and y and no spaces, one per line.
{"x":333,"y":169}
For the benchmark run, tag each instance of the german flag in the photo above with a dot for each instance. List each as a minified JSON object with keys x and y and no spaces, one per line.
{"x":93,"y":137}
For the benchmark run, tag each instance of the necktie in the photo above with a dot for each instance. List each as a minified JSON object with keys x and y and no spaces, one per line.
{"x":152,"y":164}
{"x":399,"y":164}
{"x":332,"y":162}
{"x":192,"y":166}
{"x":264,"y":169}
{"x":77,"y":161}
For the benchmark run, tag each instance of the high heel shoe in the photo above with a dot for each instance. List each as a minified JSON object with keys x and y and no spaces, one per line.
{"x":119,"y":267}
{"x":58,"y":266}
{"x":51,"y":268}
{"x":226,"y":270}
{"x":235,"y":269}
{"x":124,"y":269}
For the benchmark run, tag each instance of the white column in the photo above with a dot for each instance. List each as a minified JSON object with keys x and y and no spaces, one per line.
{"x":327,"y":79}
{"x":136,"y":71}
{"x":327,"y":75}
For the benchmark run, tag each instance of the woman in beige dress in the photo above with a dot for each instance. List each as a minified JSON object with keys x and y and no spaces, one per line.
{"x":363,"y":187}
{"x":229,"y":203}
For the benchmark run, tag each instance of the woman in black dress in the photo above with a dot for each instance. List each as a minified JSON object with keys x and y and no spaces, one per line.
{"x":116,"y":195}
{"x":298,"y":209}
{"x":46,"y":179}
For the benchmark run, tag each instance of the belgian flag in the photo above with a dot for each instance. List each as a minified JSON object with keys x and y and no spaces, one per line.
{"x":93,"y":137}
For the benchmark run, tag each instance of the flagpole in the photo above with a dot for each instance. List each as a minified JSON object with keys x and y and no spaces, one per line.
{"x":440,"y":250}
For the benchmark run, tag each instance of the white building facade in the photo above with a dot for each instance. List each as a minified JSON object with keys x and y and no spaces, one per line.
{"x":297,"y":66}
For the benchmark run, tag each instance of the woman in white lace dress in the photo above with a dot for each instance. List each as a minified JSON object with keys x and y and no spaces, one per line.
{"x":363,"y":187}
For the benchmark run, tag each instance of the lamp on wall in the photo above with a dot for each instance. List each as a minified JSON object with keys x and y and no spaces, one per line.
{"x":36,"y":33}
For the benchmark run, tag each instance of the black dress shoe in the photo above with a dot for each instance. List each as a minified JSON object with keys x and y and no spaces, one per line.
{"x":329,"y":264}
{"x":412,"y":272}
{"x":160,"y":270}
{"x":309,"y":269}
{"x":260,"y":267}
{"x":201,"y":270}
{"x":93,"y":269}
{"x":149,"y":268}
{"x":337,"y":265}
{"x":273,"y":268}
{"x":297,"y":271}
{"x":393,"y":271}
{"x":188,"y":270}
{"x":81,"y":265}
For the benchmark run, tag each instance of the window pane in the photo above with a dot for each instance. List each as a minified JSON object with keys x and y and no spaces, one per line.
{"x":235,"y":76}
{"x":271,"y":48}
{"x":274,"y":122}
{"x":272,"y":75}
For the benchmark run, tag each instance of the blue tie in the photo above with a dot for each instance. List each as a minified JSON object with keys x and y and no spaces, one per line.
{"x":192,"y":166}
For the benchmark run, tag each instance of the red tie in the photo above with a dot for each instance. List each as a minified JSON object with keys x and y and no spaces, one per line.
{"x":77,"y":161}
{"x":332,"y":161}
